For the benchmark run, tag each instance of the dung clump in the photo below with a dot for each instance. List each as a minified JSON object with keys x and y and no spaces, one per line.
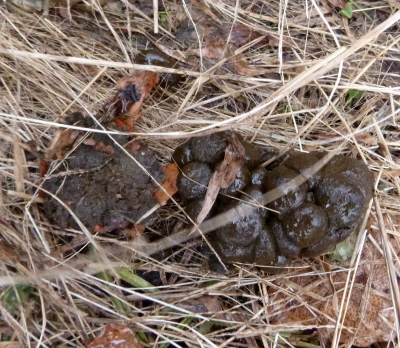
{"x":308,"y":220}
{"x":103,"y":186}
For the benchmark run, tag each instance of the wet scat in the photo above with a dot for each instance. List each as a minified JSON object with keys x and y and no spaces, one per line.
{"x":306,"y":225}
{"x":302,"y":162}
{"x":258,"y":176}
{"x":239,"y":184}
{"x":194,"y":207}
{"x":343,"y":204}
{"x":265,"y":248}
{"x":230,"y":252}
{"x":193,"y":180}
{"x":242,"y":230}
{"x":211,"y":148}
{"x":285,"y":246}
{"x":252,"y":154}
{"x":183,"y":154}
{"x":279,"y":178}
{"x":332,"y":237}
{"x":277,"y":265}
{"x":322,"y":208}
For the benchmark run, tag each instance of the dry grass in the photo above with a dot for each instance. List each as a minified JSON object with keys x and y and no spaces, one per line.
{"x":51,"y":67}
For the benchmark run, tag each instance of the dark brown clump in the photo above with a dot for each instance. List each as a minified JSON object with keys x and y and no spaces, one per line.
{"x":321,"y":211}
{"x":107,"y":189}
{"x":193,"y":180}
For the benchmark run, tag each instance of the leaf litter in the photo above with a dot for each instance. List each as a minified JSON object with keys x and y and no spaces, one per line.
{"x":113,"y":336}
{"x":127,"y":102}
{"x":248,"y":292}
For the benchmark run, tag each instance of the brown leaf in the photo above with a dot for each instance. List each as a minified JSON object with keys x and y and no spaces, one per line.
{"x":115,"y":336}
{"x":43,"y":168}
{"x":219,"y":48}
{"x":213,"y":49}
{"x":100,"y":146}
{"x":99,"y":229}
{"x":7,"y":253}
{"x":61,"y":140}
{"x":133,"y":232}
{"x":242,"y":68}
{"x":366,"y":138}
{"x":132,"y":91}
{"x":171,"y":176}
{"x":134,"y":147}
{"x":223,"y":175}
{"x":213,"y":306}
{"x":241,"y":34}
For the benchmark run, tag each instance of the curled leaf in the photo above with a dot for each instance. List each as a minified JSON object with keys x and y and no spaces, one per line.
{"x":62,"y":139}
{"x":132,"y":91}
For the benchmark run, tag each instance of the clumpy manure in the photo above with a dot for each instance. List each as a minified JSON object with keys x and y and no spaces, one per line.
{"x":103,"y":186}
{"x":308,"y":220}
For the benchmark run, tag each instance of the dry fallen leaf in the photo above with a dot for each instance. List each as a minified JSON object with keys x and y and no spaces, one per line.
{"x":132,"y":91}
{"x":171,"y":176}
{"x":115,"y":336}
{"x":61,"y":140}
{"x":213,"y":49}
{"x":316,"y":299}
{"x":220,"y":48}
{"x":366,"y":138}
{"x":213,"y":305}
{"x":223,"y":175}
{"x":7,"y":253}
{"x":241,"y":34}
{"x":134,"y":232}
{"x":43,"y":168}
{"x":242,"y":68}
{"x":100,"y":146}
